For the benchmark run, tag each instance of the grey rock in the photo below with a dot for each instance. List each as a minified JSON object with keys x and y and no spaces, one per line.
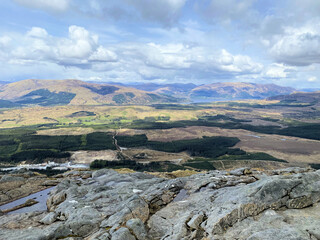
{"x":49,"y":218}
{"x":240,"y":171}
{"x":214,"y":205}
{"x":100,"y":235}
{"x":195,"y":221}
{"x":135,"y":207}
{"x":122,"y":234}
{"x":55,"y":200}
{"x":300,"y":202}
{"x":137,"y":228}
{"x":105,"y":172}
{"x":288,"y":233}
{"x":9,"y":178}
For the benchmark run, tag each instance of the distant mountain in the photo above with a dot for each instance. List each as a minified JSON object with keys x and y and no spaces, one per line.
{"x":238,"y":90}
{"x":3,"y":83}
{"x":174,"y":89}
{"x":74,"y":92}
{"x":309,"y":90}
{"x":299,"y":97}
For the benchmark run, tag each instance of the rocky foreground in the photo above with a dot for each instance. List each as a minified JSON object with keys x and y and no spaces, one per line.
{"x":22,"y":183}
{"x":241,"y":204}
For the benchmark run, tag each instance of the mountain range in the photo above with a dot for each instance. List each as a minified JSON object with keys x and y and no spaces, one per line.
{"x":239,"y":90}
{"x":76,"y":92}
{"x":216,"y":91}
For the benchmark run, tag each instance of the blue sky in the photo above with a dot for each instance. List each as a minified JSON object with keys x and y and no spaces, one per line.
{"x":162,"y":41}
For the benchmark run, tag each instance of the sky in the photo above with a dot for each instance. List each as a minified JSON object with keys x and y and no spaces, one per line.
{"x":162,"y":41}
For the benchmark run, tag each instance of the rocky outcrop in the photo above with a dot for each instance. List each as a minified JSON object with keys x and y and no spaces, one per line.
{"x":240,"y":204}
{"x":28,"y":203}
{"x":22,"y":183}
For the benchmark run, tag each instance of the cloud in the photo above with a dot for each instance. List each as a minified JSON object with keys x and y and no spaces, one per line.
{"x":304,"y":8}
{"x":4,"y":41}
{"x":298,"y":46}
{"x":47,"y":5}
{"x":103,"y":55}
{"x":312,"y":79}
{"x":225,"y":11}
{"x":79,"y":45}
{"x":181,"y":57}
{"x":185,"y":62}
{"x":81,"y":48}
{"x":37,"y":32}
{"x":163,"y":12}
{"x":170,"y":56}
{"x":166,"y":12}
{"x":277,"y":70}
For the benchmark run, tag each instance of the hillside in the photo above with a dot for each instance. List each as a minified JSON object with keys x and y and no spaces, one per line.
{"x":74,"y":92}
{"x":238,"y":90}
{"x":299,"y":97}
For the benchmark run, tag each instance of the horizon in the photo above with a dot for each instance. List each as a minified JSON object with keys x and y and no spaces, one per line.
{"x":163,"y":42}
{"x":155,"y":83}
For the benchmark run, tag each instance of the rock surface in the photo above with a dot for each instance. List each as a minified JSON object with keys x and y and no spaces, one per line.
{"x":22,"y":183}
{"x":241,"y":204}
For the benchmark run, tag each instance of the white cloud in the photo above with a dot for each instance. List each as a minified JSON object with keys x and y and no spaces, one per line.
{"x":103,"y":55}
{"x":4,"y":41}
{"x":127,"y":61}
{"x":37,"y":32}
{"x":298,"y":46}
{"x":78,"y":33}
{"x":47,"y":5}
{"x":277,"y":70}
{"x":80,"y":49}
{"x":173,"y":56}
{"x":312,"y":79}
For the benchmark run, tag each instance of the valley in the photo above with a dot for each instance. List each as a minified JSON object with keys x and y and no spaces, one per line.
{"x":166,"y":136}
